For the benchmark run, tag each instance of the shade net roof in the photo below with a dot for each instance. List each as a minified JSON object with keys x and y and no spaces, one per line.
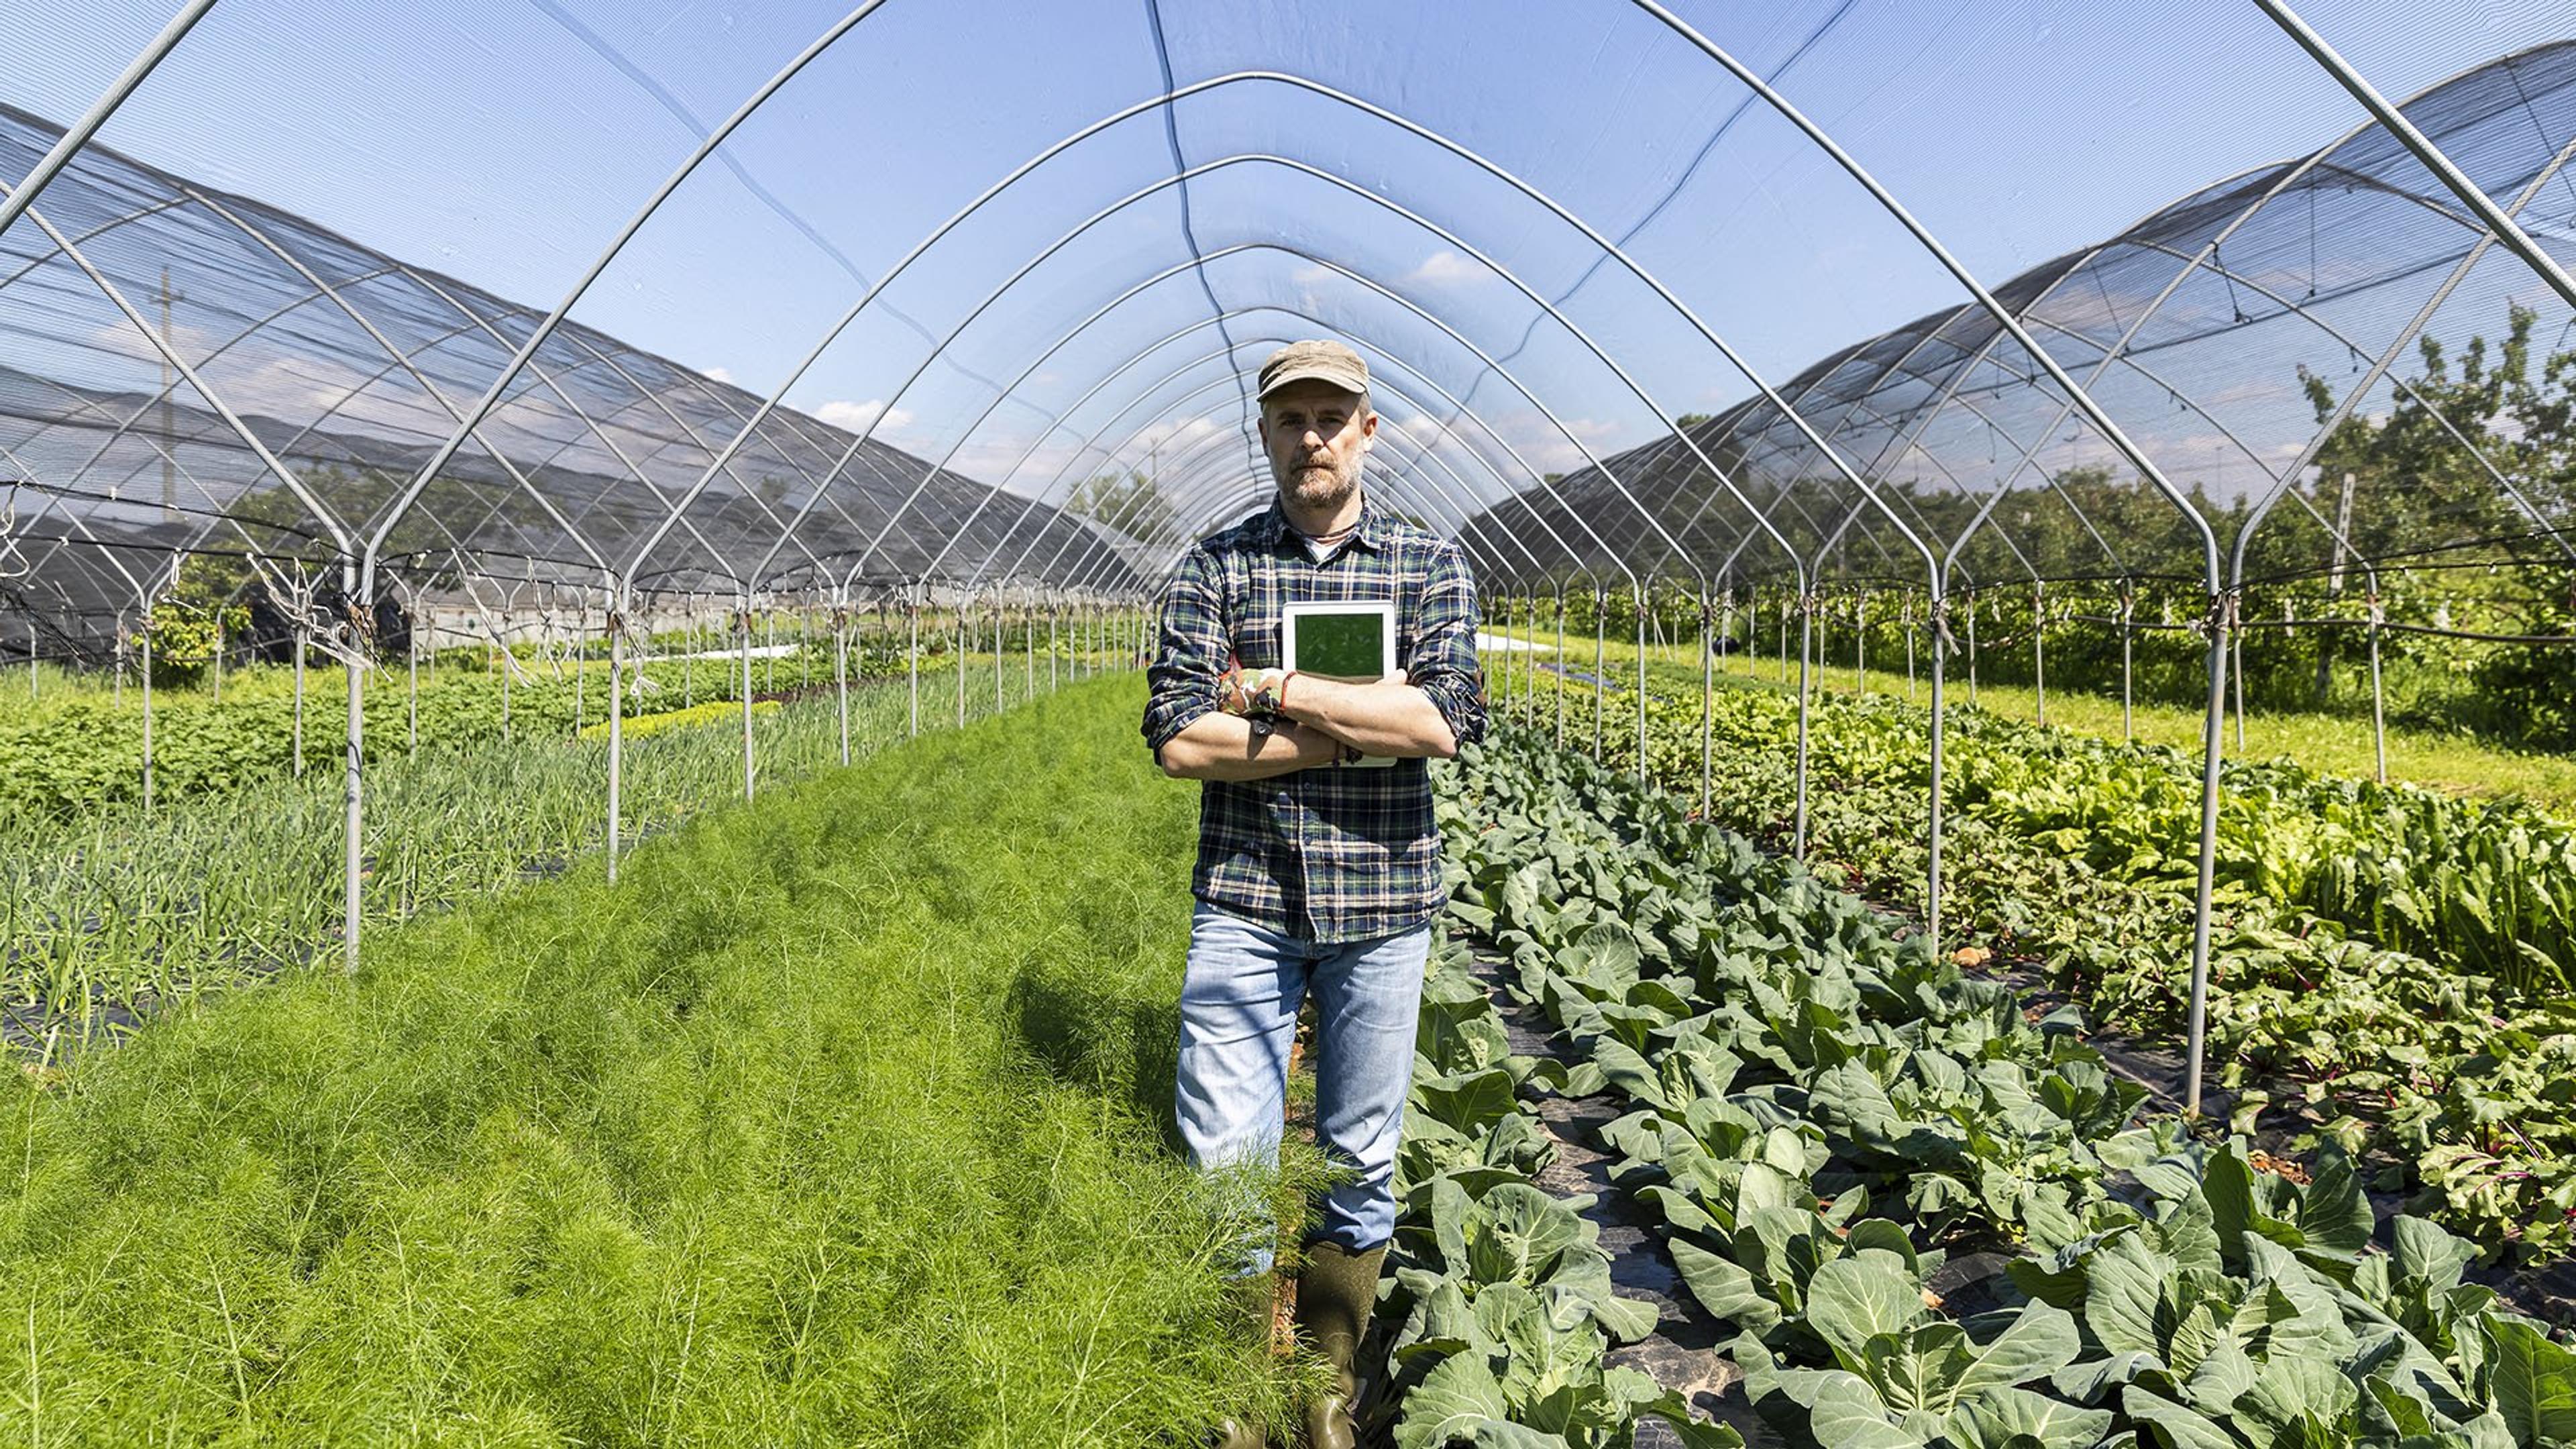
{"x":798,"y":297}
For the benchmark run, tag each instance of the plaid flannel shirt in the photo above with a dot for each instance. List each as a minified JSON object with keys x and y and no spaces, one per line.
{"x":1329,"y":855}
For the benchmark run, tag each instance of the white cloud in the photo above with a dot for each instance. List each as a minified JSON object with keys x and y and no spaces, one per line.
{"x":717,"y":374}
{"x":857,"y":416}
{"x":1549,"y":449}
{"x":1445,"y":268}
{"x":1165,"y":437}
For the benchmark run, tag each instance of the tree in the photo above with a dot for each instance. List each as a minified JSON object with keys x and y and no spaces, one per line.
{"x":1128,"y":502}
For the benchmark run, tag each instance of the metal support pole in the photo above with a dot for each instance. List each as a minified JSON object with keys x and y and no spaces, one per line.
{"x":298,"y":636}
{"x":1516,"y":654}
{"x":960,"y":648}
{"x":1707,"y":704}
{"x":913,"y":667}
{"x":1561,"y":680}
{"x":1972,"y":650}
{"x":147,"y":711}
{"x":997,"y":652}
{"x":1806,"y":664}
{"x":743,"y":628}
{"x":2039,"y":649}
{"x":1055,"y":648}
{"x":616,"y":735}
{"x":1644,"y":600}
{"x":411,"y":654}
{"x":2378,"y":704}
{"x":1860,"y":642}
{"x":841,"y":674}
{"x":1824,"y":641}
{"x":2128,"y":663}
{"x":1600,"y":627}
{"x":2222,"y":616}
{"x":352,"y":781}
{"x":2238,"y":649}
{"x":1029,"y":647}
{"x":1932,"y":813}
{"x":1907,"y":624}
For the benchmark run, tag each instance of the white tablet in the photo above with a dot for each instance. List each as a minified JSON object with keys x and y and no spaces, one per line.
{"x":1353,"y":642}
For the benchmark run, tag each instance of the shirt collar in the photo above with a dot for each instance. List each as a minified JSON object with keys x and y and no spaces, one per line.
{"x":1271,"y":528}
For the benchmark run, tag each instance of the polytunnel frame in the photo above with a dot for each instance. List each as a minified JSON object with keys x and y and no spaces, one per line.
{"x":713,"y":140}
{"x":2286,"y":484}
{"x":1224,"y":316}
{"x":1184,"y":525}
{"x":1199,"y":259}
{"x":1219,"y":321}
{"x":1162,"y":103}
{"x":1443,"y":326}
{"x":1089,"y":444}
{"x":183,"y":194}
{"x":1196,"y":264}
{"x":362,"y":568}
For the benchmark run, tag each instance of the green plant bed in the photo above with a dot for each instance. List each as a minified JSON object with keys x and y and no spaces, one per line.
{"x":755,"y":1147}
{"x":2339,"y":743}
{"x":1930,"y":1219}
{"x":2386,"y":964}
{"x":82,"y":750}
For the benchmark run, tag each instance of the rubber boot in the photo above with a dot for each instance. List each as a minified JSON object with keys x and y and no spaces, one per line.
{"x":1236,"y":1434}
{"x":1335,"y":1296}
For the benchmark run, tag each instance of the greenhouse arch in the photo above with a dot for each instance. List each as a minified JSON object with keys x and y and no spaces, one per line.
{"x":2205,"y":414}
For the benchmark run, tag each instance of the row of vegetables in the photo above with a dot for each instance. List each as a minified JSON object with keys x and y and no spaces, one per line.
{"x":2360,"y":989}
{"x":1927,"y":1218}
{"x":104,"y":916}
{"x":82,"y":749}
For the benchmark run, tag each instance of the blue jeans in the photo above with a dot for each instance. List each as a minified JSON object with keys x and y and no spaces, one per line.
{"x":1239,"y":1004}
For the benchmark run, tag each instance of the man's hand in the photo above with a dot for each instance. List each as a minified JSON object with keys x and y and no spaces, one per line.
{"x":1247,"y":692}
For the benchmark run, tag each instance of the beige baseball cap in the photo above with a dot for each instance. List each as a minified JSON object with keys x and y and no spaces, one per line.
{"x":1322,"y":361}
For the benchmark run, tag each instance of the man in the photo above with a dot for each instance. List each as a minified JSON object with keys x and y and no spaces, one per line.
{"x":1314,"y":874}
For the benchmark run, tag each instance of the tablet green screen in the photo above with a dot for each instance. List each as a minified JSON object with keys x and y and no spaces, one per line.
{"x":1345,"y":646}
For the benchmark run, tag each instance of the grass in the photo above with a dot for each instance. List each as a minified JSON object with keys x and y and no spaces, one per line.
{"x":2328,"y":743}
{"x":117,"y":908}
{"x":837,"y":1121}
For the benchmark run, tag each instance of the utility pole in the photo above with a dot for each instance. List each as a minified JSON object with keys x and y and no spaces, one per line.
{"x":2334,"y":583}
{"x":169,"y":419}
{"x":2343,"y":531}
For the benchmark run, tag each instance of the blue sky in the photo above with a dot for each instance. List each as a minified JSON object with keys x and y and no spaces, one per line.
{"x":505,"y":141}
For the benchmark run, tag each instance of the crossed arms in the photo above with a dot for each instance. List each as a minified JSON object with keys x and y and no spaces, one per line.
{"x":1316,"y":718}
{"x":1426,"y":710}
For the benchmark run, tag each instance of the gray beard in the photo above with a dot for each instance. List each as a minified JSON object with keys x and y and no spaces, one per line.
{"x":1328,"y":491}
